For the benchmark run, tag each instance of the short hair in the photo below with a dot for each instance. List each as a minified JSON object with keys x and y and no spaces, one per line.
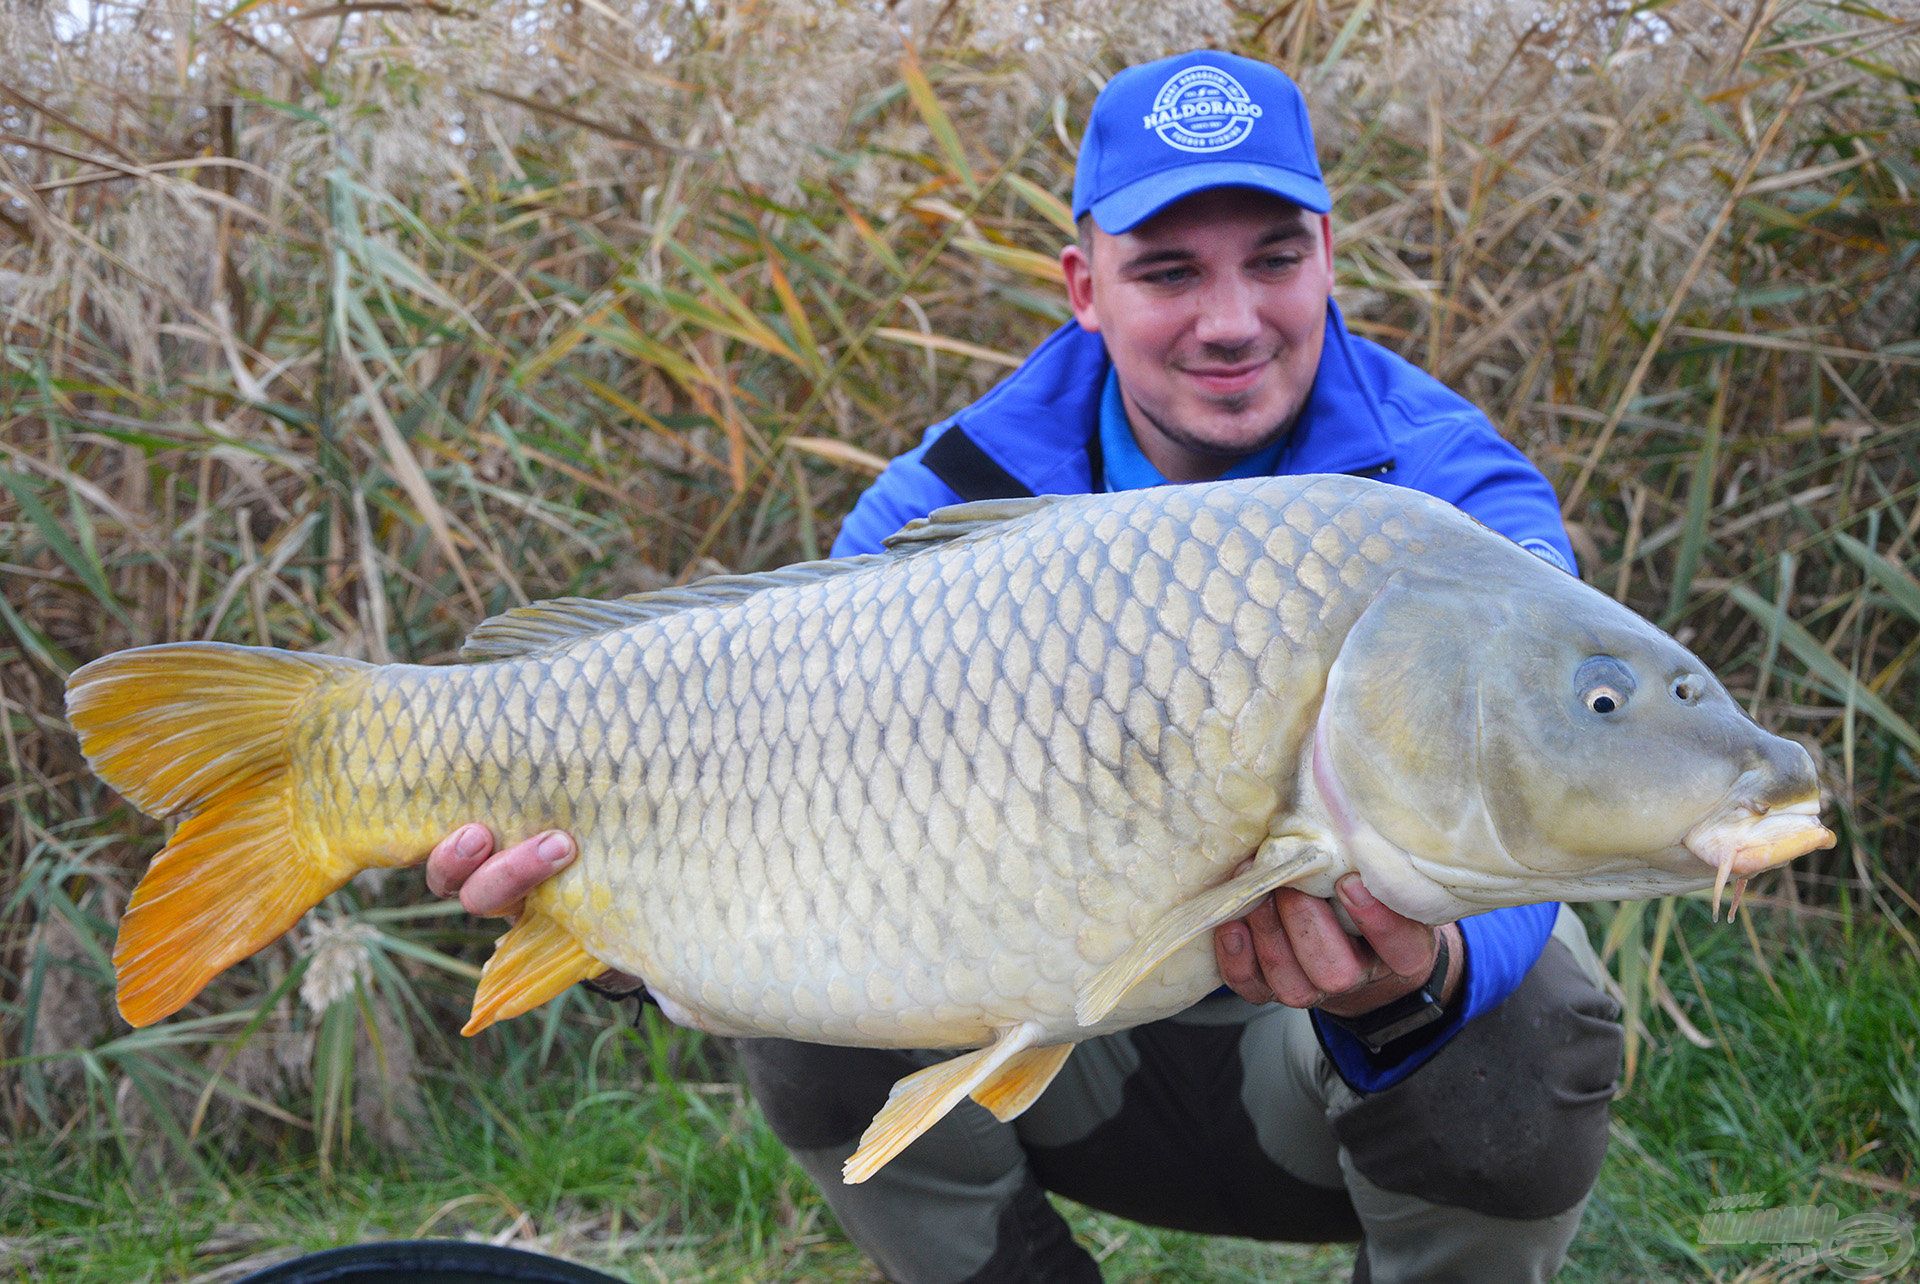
{"x":1083,"y":226}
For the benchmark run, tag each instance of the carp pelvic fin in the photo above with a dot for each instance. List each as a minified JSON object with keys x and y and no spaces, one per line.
{"x":562,"y":621}
{"x":532,"y":963}
{"x":1021,"y":1081}
{"x":205,"y":730}
{"x":1297,"y":858}
{"x":922,"y":1099}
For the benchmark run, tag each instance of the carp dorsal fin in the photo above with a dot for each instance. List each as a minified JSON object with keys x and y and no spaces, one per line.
{"x":562,"y":621}
{"x":957,"y":521}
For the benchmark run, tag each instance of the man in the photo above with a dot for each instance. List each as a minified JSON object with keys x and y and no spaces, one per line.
{"x":1438,"y":1093}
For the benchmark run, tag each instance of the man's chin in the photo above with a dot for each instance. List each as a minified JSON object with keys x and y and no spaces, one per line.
{"x":1223,"y":431}
{"x":1231,"y":428}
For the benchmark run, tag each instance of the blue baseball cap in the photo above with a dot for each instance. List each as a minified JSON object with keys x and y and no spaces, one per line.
{"x":1165,"y":130}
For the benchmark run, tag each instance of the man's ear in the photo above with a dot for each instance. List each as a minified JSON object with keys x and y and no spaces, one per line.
{"x":1326,"y":240}
{"x":1077,"y":267}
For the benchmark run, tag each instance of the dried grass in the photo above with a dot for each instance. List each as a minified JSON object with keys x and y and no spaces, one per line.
{"x":341,"y":330}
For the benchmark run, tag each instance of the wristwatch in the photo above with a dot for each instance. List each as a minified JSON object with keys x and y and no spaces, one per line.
{"x":1405,"y":1016}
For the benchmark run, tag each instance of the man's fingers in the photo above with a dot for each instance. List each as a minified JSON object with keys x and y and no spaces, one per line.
{"x":1405,"y":945}
{"x":454,"y":858}
{"x":1327,"y":955}
{"x":1239,"y":966}
{"x":1280,"y":963}
{"x":502,"y":882}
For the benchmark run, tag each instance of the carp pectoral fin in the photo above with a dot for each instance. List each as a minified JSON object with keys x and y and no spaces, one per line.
{"x":1190,"y":918}
{"x":1021,"y":1081}
{"x":532,"y":963}
{"x":922,"y":1099}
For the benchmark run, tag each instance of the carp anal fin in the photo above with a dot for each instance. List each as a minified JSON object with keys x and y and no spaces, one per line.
{"x":532,"y":963}
{"x":957,"y":521}
{"x":562,"y":621}
{"x":1190,"y":918}
{"x":1004,"y":1072}
{"x":206,"y":731}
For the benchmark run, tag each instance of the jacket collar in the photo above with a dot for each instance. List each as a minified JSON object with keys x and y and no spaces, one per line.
{"x":1037,"y":422}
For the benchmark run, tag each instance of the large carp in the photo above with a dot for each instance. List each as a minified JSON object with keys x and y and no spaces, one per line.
{"x":989,"y":789}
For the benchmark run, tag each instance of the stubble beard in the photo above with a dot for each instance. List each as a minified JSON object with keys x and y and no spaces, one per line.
{"x":1229,"y":455}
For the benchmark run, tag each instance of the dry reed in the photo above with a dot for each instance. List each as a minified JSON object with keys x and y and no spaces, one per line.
{"x":341,"y":328}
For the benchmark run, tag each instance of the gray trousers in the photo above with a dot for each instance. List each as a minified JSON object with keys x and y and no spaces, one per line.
{"x":1230,"y":1120}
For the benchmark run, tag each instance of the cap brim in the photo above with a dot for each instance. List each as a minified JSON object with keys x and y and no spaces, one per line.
{"x":1140,"y":200}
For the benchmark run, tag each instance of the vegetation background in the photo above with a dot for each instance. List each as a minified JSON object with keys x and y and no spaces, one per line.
{"x":343,"y":326}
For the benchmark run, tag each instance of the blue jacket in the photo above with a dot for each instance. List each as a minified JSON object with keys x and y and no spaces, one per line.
{"x":1369,"y":413}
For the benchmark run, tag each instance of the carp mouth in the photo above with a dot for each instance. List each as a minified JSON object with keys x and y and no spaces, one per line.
{"x":1745,"y":838}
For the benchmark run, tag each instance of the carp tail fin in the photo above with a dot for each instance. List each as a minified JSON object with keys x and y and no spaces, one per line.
{"x":204,"y":731}
{"x":534,"y":961}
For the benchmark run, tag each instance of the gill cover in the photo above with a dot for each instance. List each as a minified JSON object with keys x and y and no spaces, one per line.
{"x":1519,"y":736}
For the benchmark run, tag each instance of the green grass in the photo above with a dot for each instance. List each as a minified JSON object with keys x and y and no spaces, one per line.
{"x":1806,"y":1097}
{"x":635,"y":1153}
{"x":607,"y":1159}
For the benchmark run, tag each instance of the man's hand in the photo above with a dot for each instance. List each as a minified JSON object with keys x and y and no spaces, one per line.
{"x":1291,"y":948}
{"x":493,"y":884}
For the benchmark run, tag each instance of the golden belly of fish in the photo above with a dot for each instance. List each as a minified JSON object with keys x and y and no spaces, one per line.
{"x":987,"y":790}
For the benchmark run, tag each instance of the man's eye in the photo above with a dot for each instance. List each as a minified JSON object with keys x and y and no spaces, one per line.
{"x":1167,"y":276}
{"x":1280,"y":262}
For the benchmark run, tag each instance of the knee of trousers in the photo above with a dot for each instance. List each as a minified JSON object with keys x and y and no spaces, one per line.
{"x":1510,"y":1118}
{"x":817,"y":1097}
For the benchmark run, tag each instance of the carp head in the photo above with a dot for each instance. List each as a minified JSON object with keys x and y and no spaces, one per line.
{"x":1511,"y":735}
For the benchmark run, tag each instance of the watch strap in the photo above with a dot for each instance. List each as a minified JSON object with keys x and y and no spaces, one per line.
{"x":1405,"y":1016}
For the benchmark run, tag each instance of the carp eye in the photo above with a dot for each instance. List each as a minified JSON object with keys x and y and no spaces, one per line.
{"x":1604,"y":684}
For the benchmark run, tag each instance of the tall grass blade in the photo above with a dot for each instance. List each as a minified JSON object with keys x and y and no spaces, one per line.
{"x":1824,"y":667}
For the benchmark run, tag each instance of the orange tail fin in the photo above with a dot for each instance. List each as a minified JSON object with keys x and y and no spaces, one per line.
{"x":204,"y":730}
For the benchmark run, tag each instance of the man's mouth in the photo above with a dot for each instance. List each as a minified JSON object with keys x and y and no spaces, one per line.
{"x":1224,"y":380}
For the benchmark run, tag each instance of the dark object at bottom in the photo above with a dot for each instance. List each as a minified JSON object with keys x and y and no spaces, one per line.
{"x":427,"y":1261}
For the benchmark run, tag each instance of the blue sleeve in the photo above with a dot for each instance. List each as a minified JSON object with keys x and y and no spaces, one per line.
{"x":1480,"y":473}
{"x":1501,"y":947}
{"x":906,"y":490}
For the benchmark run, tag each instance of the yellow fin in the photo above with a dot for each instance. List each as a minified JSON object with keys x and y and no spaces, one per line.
{"x":534,"y":961}
{"x":232,"y":880}
{"x":922,"y":1099}
{"x":204,"y":729}
{"x":1296,"y":858}
{"x":1021,"y":1081}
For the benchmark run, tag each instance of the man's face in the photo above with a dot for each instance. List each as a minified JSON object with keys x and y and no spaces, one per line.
{"x":1214,"y":312}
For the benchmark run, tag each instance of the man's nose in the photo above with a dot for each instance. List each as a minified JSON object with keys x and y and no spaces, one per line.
{"x":1229,"y":317}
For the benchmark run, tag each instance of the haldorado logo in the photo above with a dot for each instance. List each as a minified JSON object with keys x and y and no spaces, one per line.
{"x":1202,"y":109}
